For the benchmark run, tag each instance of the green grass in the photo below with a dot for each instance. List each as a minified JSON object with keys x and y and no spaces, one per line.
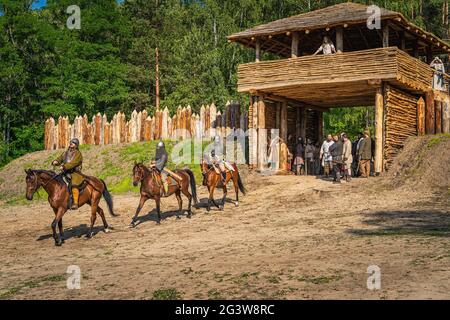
{"x":167,"y":294}
{"x":29,"y":284}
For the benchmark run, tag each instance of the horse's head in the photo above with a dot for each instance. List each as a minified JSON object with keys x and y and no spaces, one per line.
{"x":33,"y":183}
{"x":138,"y":173}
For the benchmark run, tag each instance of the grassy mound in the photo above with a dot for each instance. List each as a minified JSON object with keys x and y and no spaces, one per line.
{"x":113,"y":163}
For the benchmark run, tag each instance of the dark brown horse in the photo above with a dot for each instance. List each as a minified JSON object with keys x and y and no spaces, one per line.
{"x":151,"y":189}
{"x":59,"y":197}
{"x":213,"y":180}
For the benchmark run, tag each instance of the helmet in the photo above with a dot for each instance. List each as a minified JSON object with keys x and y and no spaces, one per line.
{"x":75,"y":141}
{"x":160,"y":144}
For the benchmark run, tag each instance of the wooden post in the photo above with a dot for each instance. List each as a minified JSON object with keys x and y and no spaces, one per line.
{"x":262,"y":134}
{"x":379,"y":112}
{"x":429,"y":54}
{"x":416,"y":49}
{"x":320,"y":127}
{"x":303,"y":123}
{"x":446,"y":116}
{"x":258,"y":51}
{"x":340,"y":39}
{"x":402,"y":41}
{"x":386,"y":36}
{"x":430,"y":113}
{"x":294,"y":44}
{"x":421,"y":117}
{"x":283,"y":121}
{"x":438,"y":116}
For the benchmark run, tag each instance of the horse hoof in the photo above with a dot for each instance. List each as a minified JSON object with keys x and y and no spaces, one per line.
{"x":89,"y":236}
{"x":158,"y":223}
{"x":178,"y":217}
{"x":107,"y":230}
{"x":221,"y":209}
{"x":237,"y":204}
{"x":58,"y":243}
{"x":132,"y":225}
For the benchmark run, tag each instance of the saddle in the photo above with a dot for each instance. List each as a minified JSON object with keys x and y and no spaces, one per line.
{"x":170,"y":180}
{"x":67,"y":179}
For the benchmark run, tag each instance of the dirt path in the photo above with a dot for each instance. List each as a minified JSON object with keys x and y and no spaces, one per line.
{"x":291,"y":237}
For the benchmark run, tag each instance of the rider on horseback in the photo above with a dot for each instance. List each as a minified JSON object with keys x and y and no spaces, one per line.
{"x":70,"y":163}
{"x":159,"y":164}
{"x":217,"y":159}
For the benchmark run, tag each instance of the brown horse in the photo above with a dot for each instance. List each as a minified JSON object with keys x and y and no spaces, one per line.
{"x":59,"y":198}
{"x":151,"y":189}
{"x":212,"y":179}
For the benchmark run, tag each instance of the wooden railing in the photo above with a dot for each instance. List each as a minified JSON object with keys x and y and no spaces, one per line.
{"x":387,"y":64}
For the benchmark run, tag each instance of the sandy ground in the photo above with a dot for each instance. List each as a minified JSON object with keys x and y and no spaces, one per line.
{"x":290,"y":238}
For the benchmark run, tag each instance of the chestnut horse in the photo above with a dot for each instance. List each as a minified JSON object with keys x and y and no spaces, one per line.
{"x":59,"y":198}
{"x":212,"y":179}
{"x":151,"y":187}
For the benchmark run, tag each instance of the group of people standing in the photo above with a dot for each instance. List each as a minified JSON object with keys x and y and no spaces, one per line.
{"x":337,"y":157}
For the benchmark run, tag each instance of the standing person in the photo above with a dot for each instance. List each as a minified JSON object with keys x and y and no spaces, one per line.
{"x":285,"y":156}
{"x":274,"y":154}
{"x":365,"y":155}
{"x":325,"y":155}
{"x":327,"y":47}
{"x":310,"y":149}
{"x":336,"y":151}
{"x":70,"y":163}
{"x":347,"y":157}
{"x":299,"y":160}
{"x":317,"y":166}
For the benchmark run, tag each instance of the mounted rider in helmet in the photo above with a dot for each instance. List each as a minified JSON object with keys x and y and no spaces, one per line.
{"x":70,"y":163}
{"x":159,"y":164}
{"x":216,"y":159}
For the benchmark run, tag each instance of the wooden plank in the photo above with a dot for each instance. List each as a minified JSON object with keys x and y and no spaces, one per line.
{"x":438,"y":116}
{"x":379,"y":129}
{"x":446,"y":116}
{"x":294,"y":44}
{"x":283,"y":121}
{"x":430,"y":113}
{"x":340,"y":39}
{"x":421,"y":117}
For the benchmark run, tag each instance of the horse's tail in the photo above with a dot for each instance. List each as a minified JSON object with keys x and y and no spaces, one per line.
{"x":108,"y":199}
{"x":241,"y":185}
{"x":193,"y":184}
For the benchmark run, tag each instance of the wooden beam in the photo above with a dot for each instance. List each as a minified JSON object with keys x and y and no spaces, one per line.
{"x":429,"y":113}
{"x":294,"y":44}
{"x":386,"y":36}
{"x":258,"y":51}
{"x":283,"y":121}
{"x":340,"y":39}
{"x":446,"y":116}
{"x":416,"y":49}
{"x":294,"y":103}
{"x":429,"y":54}
{"x":438,"y":116}
{"x":379,"y":129}
{"x":262,"y":134}
{"x":402,"y":40}
{"x":320,"y":135}
{"x":421,"y":117}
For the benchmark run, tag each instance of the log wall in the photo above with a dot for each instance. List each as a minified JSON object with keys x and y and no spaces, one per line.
{"x":144,"y":127}
{"x":400,"y":121}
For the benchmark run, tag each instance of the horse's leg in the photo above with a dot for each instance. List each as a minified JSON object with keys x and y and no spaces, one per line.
{"x":225,"y":191}
{"x":102,"y":215}
{"x":58,"y":217}
{"x":236,"y":187}
{"x":180,"y":203}
{"x":139,"y":208}
{"x":94,"y":208}
{"x":158,"y":209}
{"x":60,"y":226}
{"x":211,"y":195}
{"x":189,"y":196}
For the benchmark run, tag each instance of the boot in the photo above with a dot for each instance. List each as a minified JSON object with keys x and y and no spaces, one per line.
{"x":166,"y":187}
{"x":224,"y":177}
{"x":75,"y":194}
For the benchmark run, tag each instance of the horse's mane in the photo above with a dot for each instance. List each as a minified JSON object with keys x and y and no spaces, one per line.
{"x":52,"y":174}
{"x":143,"y":166}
